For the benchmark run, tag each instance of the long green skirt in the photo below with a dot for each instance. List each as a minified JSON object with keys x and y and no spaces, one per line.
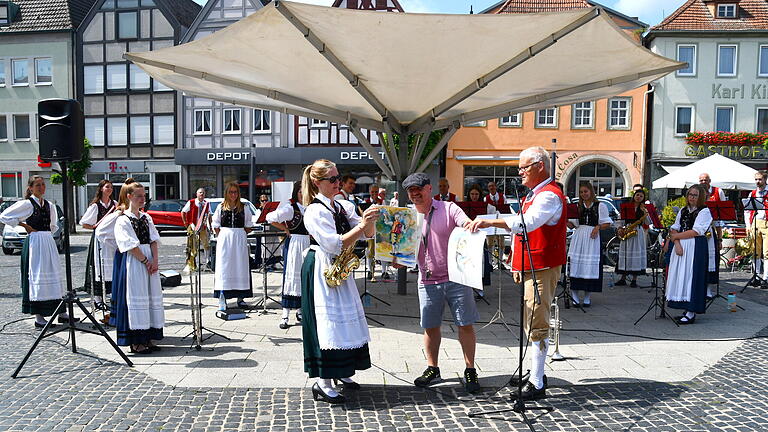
{"x":331,"y":363}
{"x":45,"y":307}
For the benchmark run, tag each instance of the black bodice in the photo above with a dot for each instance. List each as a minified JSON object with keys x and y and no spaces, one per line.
{"x":40,"y":219}
{"x":339,"y":218}
{"x":589,"y":216}
{"x":141,"y":228}
{"x":296,"y":224}
{"x":233,"y":218}
{"x":688,"y":219}
{"x":103,"y":211}
{"x":638,"y":214}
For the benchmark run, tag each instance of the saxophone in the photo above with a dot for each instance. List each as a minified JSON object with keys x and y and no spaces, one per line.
{"x":631,"y":229}
{"x":343,"y":266}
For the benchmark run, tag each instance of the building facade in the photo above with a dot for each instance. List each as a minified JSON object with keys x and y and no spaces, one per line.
{"x":723,"y":89}
{"x":601,"y":141}
{"x":130,"y":119}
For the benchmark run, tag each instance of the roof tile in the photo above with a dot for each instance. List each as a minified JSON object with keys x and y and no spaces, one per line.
{"x":695,"y":15}
{"x":540,"y":6}
{"x":48,"y":15}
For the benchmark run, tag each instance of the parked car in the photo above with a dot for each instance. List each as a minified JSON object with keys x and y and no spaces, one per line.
{"x":166,"y":214}
{"x":13,"y":237}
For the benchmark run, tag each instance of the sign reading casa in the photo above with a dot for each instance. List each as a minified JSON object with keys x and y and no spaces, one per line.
{"x":733,"y":152}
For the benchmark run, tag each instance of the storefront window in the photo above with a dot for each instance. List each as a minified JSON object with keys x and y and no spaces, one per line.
{"x":202,"y":176}
{"x":604,"y":176}
{"x":502,"y":175}
{"x":167,"y":186}
{"x":365,"y":175}
{"x":263,"y":178}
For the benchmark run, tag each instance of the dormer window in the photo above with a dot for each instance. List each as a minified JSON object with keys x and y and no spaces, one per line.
{"x":726,"y":11}
{"x":8,"y":11}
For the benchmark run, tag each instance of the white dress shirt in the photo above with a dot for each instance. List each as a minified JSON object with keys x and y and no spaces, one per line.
{"x":546,"y":208}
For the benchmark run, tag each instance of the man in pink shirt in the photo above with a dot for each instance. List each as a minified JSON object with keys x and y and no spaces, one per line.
{"x":440,"y":218}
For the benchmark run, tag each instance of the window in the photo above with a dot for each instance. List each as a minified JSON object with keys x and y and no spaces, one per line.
{"x":726,"y":60}
{"x":164,"y":130}
{"x":505,"y":177}
{"x":762,"y":64}
{"x":94,"y":131}
{"x":618,"y":113}
{"x":140,"y":130}
{"x":4,"y":13}
{"x":117,"y":131}
{"x":43,"y":73}
{"x":726,"y":11}
{"x":315,"y":123}
{"x":687,"y":54}
{"x":762,"y":121}
{"x":202,"y":122}
{"x":20,"y":72}
{"x":93,"y":79}
{"x":546,"y":118}
{"x":605,"y":177}
{"x":514,"y":120}
{"x":3,"y":128}
{"x":232,"y":120}
{"x":724,"y":119}
{"x":127,"y":25}
{"x":582,"y":115}
{"x":11,"y":184}
{"x":2,"y":73}
{"x":116,"y":77}
{"x":262,"y":121}
{"x":683,"y":120}
{"x":21,"y":129}
{"x":139,"y":78}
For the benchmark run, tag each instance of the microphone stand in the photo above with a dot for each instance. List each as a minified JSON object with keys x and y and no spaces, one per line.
{"x":519,"y":406}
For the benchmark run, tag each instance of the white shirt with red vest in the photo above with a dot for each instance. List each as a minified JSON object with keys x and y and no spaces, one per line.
{"x":751,"y":215}
{"x":544,"y":207}
{"x":449,"y":197}
{"x":496,"y":200}
{"x":193,"y":208}
{"x":716,"y":194}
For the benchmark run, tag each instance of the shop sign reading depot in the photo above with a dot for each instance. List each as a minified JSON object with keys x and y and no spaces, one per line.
{"x":227,"y":156}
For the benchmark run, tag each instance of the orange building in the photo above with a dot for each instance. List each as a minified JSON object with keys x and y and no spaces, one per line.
{"x":601,"y":141}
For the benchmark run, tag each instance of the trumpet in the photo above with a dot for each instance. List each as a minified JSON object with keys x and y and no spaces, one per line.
{"x":555,"y":324}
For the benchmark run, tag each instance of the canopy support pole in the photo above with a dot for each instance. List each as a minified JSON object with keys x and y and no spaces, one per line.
{"x":402,"y":273}
{"x":439,"y":147}
{"x":389,"y":148}
{"x":363,"y":140}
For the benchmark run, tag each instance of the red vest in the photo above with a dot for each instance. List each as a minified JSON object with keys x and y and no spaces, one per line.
{"x":192,"y":214}
{"x":715,"y":195}
{"x":547,"y":242}
{"x":451,"y":197}
{"x":497,"y":203}
{"x":753,"y":213}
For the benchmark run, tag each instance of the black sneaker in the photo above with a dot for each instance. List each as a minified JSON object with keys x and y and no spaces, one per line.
{"x":430,"y":376}
{"x":471,"y":383}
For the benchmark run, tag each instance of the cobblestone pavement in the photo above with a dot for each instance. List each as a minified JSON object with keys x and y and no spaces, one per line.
{"x":61,"y":391}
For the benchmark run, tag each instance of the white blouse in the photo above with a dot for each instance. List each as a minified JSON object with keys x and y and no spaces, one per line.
{"x":700,"y":225}
{"x":320,"y":224}
{"x":602,"y":215}
{"x":92,"y":213}
{"x":284,"y":212}
{"x":216,"y":218}
{"x":23,"y":209}
{"x":125,"y":236}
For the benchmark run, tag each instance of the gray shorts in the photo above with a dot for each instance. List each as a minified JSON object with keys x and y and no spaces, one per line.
{"x":460,"y":298}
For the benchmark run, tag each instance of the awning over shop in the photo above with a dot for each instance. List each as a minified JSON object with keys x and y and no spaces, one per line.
{"x":725,"y":173}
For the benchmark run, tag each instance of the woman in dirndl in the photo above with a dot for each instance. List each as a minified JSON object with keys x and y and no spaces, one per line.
{"x":633,"y":254}
{"x":334,"y":327}
{"x":585,"y":251}
{"x":41,"y":287}
{"x":232,"y":221}
{"x":98,"y":268}
{"x":289,"y":217}
{"x":137,"y":297}
{"x":688,"y":257}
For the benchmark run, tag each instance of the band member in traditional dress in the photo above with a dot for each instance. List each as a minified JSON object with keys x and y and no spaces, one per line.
{"x":232,"y":221}
{"x":198,"y":209}
{"x":633,"y":255}
{"x":98,"y":269}
{"x":445,"y":195}
{"x":757,"y":226}
{"x":347,"y":188}
{"x":688,"y":256}
{"x":714,"y":241}
{"x":334,"y":328}
{"x":137,"y":295}
{"x":41,"y":288}
{"x":289,"y":217}
{"x":585,"y":251}
{"x":545,"y":219}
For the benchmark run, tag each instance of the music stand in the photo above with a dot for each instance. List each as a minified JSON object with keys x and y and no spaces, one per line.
{"x":721,"y":211}
{"x":571,"y":212}
{"x":754,"y":204}
{"x":473,"y":209}
{"x":499,"y":314}
{"x":653,"y":214}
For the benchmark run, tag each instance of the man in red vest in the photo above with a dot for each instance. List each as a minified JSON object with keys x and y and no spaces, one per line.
{"x":494,"y":197}
{"x":715,"y":194}
{"x":758,"y":226}
{"x":444,"y":195}
{"x":197,"y":211}
{"x":544,"y":213}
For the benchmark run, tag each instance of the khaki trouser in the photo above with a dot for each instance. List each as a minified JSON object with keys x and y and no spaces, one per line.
{"x":761,"y":243}
{"x":547,"y":280}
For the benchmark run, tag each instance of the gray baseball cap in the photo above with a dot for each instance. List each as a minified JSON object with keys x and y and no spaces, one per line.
{"x":418,"y":179}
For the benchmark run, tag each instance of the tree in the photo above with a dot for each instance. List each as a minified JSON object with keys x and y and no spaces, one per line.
{"x":76,"y":174}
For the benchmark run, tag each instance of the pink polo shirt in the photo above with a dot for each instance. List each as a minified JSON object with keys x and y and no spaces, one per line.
{"x":446,"y":216}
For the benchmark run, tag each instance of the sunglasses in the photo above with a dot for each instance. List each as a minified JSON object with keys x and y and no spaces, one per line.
{"x":332,"y":179}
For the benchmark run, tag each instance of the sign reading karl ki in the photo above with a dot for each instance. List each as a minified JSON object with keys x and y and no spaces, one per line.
{"x":755,"y":92}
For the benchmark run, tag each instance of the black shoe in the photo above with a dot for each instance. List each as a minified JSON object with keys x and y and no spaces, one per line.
{"x":471,"y":383}
{"x":633,"y":284}
{"x":284,"y":324}
{"x":530,"y":392}
{"x":430,"y":376}
{"x":298,"y":317}
{"x":66,"y":320}
{"x":101,"y":306}
{"x":38,"y":325}
{"x":684,"y":320}
{"x":319,"y":394}
{"x":514,"y":380}
{"x":347,"y":385}
{"x":620,"y":282}
{"x":154,"y":348}
{"x":242,"y":304}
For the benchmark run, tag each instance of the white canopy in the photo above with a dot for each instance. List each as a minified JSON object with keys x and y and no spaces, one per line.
{"x":725,"y":173}
{"x":407,"y":73}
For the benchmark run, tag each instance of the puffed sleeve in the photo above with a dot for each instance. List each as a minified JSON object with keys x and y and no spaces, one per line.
{"x":125,"y":236}
{"x":91,"y":215}
{"x":216,"y":218}
{"x":283,"y":213}
{"x":54,"y":225}
{"x":248,"y":215}
{"x":154,"y":235}
{"x":105,"y":231}
{"x":16,"y":213}
{"x":320,"y":225}
{"x":602,"y":214}
{"x":703,"y":222}
{"x":676,"y":226}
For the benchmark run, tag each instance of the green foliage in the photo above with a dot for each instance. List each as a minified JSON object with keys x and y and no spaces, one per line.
{"x":668,"y":215}
{"x":432,"y":141}
{"x":76,"y":170}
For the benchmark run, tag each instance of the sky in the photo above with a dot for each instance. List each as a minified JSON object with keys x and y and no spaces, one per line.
{"x":650,"y":12}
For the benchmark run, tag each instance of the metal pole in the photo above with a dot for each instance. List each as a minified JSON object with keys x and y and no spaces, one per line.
{"x":251,"y":179}
{"x":402,"y":273}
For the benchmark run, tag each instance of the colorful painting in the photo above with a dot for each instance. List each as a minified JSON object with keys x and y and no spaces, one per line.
{"x":398,"y":234}
{"x":465,"y":257}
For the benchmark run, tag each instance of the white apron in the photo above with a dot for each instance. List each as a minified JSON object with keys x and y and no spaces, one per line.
{"x":232,"y":267}
{"x":44,"y":278}
{"x":293,"y":261}
{"x":144,"y":296}
{"x":584,"y":253}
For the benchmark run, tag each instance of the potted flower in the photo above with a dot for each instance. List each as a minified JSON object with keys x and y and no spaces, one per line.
{"x":729,"y":244}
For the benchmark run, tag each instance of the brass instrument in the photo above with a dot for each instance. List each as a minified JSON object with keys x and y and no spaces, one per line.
{"x":631,"y":229}
{"x":193,"y":246}
{"x":555,"y":324}
{"x":343,"y":266}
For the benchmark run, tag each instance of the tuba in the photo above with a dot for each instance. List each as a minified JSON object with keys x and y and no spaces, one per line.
{"x":631,"y":229}
{"x":343,"y":266}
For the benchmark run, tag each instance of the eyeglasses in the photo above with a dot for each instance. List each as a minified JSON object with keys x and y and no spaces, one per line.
{"x":527,"y":167}
{"x":332,"y":179}
{"x":264,"y":200}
